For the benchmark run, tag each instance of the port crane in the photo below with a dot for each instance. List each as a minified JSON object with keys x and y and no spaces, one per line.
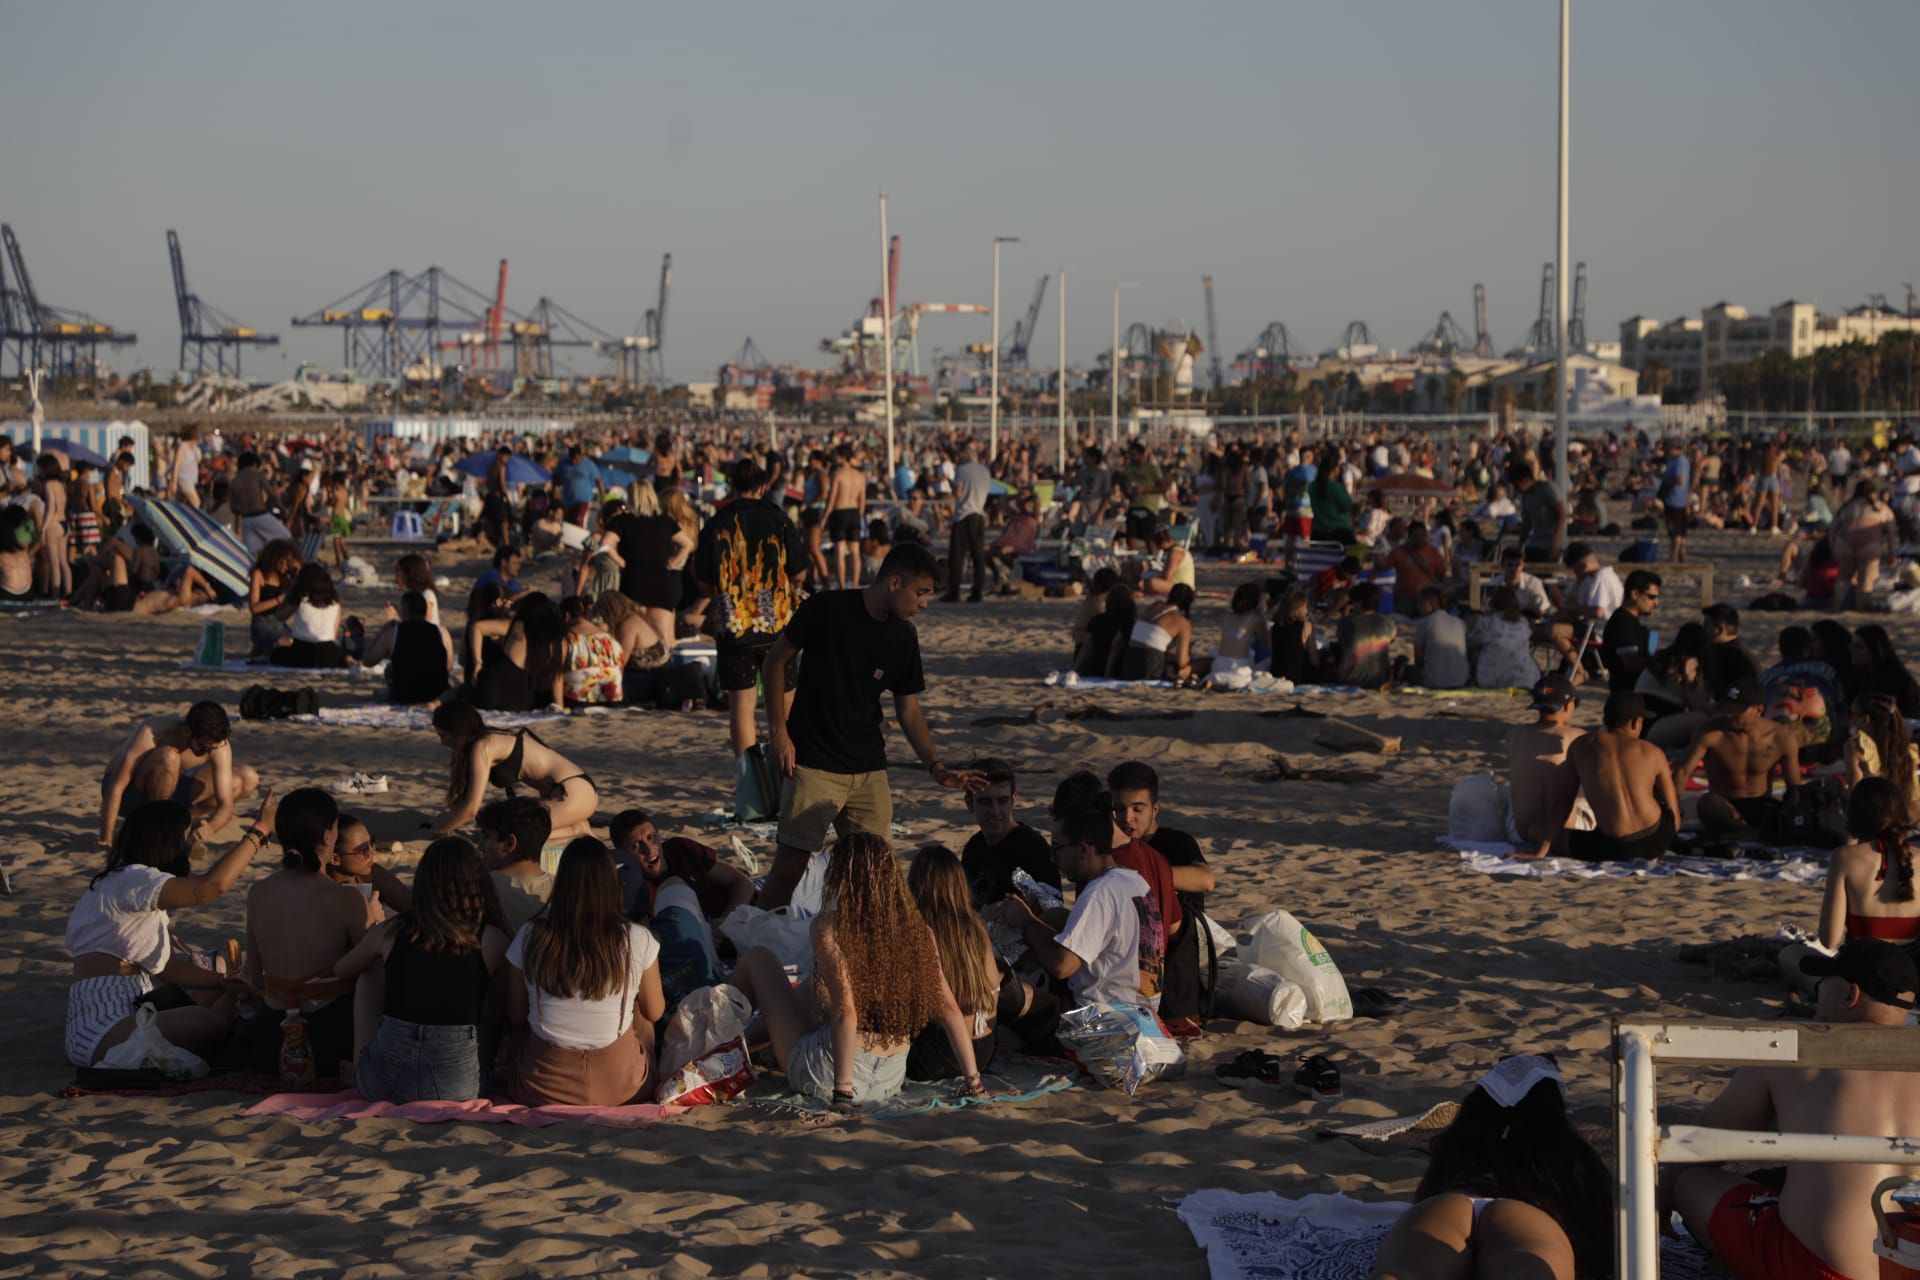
{"x":1482,"y":340}
{"x":66,"y":342}
{"x":1213,"y":339}
{"x":1023,"y":331}
{"x":207,"y":330}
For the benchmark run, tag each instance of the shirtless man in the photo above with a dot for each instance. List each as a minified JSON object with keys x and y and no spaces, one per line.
{"x":1819,"y":1224}
{"x":188,"y":760}
{"x":1538,"y":784}
{"x":1740,"y":748}
{"x":846,"y":505}
{"x":1635,"y":807}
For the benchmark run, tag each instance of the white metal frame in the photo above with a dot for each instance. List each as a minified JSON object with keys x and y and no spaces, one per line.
{"x":1641,"y":1142}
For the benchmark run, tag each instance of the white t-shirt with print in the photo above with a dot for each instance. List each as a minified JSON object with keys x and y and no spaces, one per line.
{"x":573,"y":1023}
{"x":1104,"y":931}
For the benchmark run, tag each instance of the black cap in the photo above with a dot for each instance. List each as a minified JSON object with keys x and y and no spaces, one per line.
{"x":1882,"y":971}
{"x":1552,"y":692}
{"x":1742,"y":693}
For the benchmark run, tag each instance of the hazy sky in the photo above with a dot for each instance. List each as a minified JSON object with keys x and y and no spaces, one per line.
{"x":1369,"y":159}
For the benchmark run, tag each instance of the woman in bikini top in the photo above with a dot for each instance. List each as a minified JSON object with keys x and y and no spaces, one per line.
{"x":484,"y":757}
{"x":1870,"y":883}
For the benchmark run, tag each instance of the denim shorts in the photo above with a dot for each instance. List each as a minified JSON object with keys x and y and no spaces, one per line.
{"x":810,"y":1069}
{"x":408,"y":1062}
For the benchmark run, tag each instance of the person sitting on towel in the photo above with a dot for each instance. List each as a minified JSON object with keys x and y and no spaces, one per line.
{"x":1511,"y":1189}
{"x":1538,"y":782}
{"x":418,"y":654}
{"x":1439,"y":642}
{"x":1135,"y":786}
{"x":1636,"y":806}
{"x":1818,"y":1225}
{"x":1003,"y":844}
{"x":1109,"y":949}
{"x":187,"y":759}
{"x":1740,"y":749}
{"x":1160,"y":646}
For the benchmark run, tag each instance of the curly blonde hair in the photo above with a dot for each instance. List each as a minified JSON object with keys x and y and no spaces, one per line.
{"x":885,"y":947}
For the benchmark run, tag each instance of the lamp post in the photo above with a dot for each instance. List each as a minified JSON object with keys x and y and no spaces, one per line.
{"x":1060,"y":392}
{"x":993,"y":410}
{"x":1113,"y":368}
{"x":1561,"y":477}
{"x":886,"y":334}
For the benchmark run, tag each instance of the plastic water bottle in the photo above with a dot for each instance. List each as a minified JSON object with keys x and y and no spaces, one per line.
{"x":296,"y":1052}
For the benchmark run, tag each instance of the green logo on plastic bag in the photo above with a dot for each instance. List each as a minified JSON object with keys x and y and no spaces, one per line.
{"x":1316,"y":954}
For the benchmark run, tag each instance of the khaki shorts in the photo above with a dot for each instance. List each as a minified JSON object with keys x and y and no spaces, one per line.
{"x":814,"y":800}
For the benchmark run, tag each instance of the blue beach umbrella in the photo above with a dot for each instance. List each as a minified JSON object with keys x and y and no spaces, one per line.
{"x":627,"y":455}
{"x":208,"y":545}
{"x":75,"y":452}
{"x":520,"y":469}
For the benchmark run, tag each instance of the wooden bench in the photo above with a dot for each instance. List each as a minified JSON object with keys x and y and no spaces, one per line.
{"x":1699,"y":571}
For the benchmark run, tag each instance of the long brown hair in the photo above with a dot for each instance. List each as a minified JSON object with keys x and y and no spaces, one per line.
{"x":578,"y":945}
{"x":1879,"y":718}
{"x":939,"y":887}
{"x":454,"y":899}
{"x":890,"y":960}
{"x":464,"y":722}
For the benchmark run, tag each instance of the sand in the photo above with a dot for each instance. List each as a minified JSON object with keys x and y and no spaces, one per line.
{"x":1079,"y":1183}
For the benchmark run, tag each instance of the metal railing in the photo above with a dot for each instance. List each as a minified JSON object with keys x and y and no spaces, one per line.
{"x":1642,"y":1143}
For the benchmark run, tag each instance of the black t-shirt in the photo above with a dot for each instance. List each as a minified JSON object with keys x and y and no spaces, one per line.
{"x":646,"y":544}
{"x":849,"y":659}
{"x":1623,"y":647}
{"x":1729,"y":661}
{"x":990,"y":867}
{"x":1181,"y":850}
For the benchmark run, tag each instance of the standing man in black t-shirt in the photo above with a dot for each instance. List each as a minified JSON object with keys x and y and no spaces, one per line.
{"x":1002,"y":845}
{"x":829,"y":744}
{"x":1625,"y":641}
{"x":1136,"y":807}
{"x":749,"y":560}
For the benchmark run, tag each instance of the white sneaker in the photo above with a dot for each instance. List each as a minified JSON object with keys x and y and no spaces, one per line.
{"x":362,"y":784}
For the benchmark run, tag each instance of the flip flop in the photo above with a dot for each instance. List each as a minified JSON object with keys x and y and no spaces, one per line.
{"x":1318,"y":1079}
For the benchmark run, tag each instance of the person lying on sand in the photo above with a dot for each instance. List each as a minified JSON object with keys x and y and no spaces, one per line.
{"x":1740,"y":749}
{"x":121,"y":938}
{"x":187,"y":759}
{"x":1820,"y":1224}
{"x":1511,"y":1189}
{"x":1537,"y":783}
{"x":877,"y":984}
{"x":484,"y":757}
{"x":1635,"y":805}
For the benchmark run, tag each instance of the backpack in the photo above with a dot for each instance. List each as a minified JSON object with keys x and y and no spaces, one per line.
{"x":1814,"y":816}
{"x":260,"y":702}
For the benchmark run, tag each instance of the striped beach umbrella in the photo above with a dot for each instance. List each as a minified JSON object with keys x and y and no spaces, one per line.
{"x":208,"y":545}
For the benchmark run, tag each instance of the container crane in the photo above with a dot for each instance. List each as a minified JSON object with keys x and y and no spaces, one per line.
{"x":1023,"y":331}
{"x":1213,"y":339}
{"x":1271,"y":354}
{"x":1540,"y":336}
{"x":67,"y":342}
{"x":392,"y":327}
{"x":482,"y":346}
{"x":1482,"y":340}
{"x":1446,"y":338}
{"x":204,"y":326}
{"x":1356,"y":342}
{"x":1577,"y":322}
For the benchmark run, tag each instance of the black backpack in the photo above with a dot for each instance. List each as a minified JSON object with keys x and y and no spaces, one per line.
{"x":260,"y":702}
{"x":1815,"y":816}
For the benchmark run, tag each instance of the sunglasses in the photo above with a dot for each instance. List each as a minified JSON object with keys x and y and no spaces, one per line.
{"x":364,"y":849}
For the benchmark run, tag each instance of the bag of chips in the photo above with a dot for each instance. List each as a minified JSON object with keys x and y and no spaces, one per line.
{"x":1121,"y":1045}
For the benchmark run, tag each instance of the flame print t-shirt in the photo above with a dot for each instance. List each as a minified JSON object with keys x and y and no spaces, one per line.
{"x":751,"y":556}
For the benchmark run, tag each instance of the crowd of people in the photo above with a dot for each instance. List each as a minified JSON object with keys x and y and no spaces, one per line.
{"x":526,"y":957}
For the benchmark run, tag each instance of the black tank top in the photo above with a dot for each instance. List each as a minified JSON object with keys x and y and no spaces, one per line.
{"x":432,"y":988}
{"x":417,"y":668}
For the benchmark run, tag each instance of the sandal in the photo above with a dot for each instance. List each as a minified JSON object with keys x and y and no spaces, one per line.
{"x":1254,"y":1066}
{"x":1318,"y":1079}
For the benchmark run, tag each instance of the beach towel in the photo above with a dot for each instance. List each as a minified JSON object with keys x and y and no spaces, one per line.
{"x":237,"y":666}
{"x":88,"y":1081}
{"x":1014,"y":1079}
{"x":1790,"y":866}
{"x":27,"y":608}
{"x":319,"y":1108}
{"x":381,"y":716}
{"x":1069,"y":679}
{"x":1264,"y":1236}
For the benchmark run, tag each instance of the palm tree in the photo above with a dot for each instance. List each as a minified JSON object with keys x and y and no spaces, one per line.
{"x":1656,"y":375}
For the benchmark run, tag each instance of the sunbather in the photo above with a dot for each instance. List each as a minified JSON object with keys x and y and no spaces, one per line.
{"x":1635,"y":803}
{"x":121,"y":938}
{"x":484,"y":757}
{"x":1740,"y":750}
{"x":1512,"y":1191}
{"x":187,"y":759}
{"x":877,"y":984}
{"x":1538,"y":783}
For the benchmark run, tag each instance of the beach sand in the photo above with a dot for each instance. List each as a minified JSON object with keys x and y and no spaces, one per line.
{"x":1080,"y":1183}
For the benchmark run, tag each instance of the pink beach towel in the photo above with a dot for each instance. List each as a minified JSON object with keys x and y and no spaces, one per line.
{"x":348,"y":1105}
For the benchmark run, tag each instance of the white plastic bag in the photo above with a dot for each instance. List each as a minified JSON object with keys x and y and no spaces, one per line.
{"x":1281,"y":943}
{"x":1261,"y":995}
{"x":702,"y":1022}
{"x":148,"y":1050}
{"x":1477,"y":810}
{"x":812,"y":889}
{"x":781,"y":932}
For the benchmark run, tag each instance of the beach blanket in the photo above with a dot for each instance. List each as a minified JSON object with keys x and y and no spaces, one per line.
{"x":723,"y":820}
{"x":1014,"y":1079}
{"x":240,"y":667}
{"x":27,"y":608}
{"x":1073,"y":680}
{"x":318,"y":1108}
{"x":1791,"y":866}
{"x":381,"y":716}
{"x":1264,"y":1236}
{"x":90,"y":1081}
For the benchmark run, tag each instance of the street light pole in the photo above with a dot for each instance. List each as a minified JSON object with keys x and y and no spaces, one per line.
{"x":993,"y":411}
{"x":886,"y":335}
{"x":1113,"y":370}
{"x":1060,"y":392}
{"x":1561,"y":477}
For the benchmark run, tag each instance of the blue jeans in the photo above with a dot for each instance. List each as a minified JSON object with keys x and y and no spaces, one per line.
{"x":408,"y":1062}
{"x":686,"y":958}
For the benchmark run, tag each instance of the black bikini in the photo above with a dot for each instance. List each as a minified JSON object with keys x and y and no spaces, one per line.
{"x":506,"y":774}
